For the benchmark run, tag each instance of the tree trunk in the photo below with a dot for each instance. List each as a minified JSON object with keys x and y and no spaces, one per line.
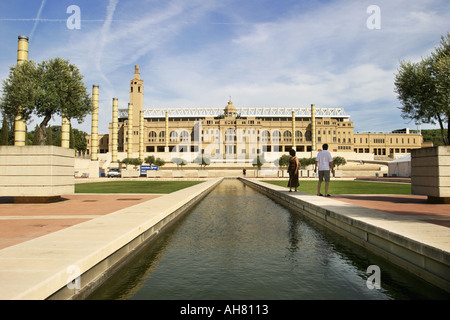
{"x":43,"y":130}
{"x":441,"y":126}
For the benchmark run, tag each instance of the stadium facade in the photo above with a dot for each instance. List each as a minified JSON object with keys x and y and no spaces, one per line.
{"x":236,"y":133}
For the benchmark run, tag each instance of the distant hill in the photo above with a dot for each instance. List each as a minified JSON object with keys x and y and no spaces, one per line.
{"x":433,"y":135}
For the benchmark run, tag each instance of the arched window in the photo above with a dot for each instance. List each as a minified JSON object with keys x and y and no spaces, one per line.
{"x":276,"y":136}
{"x":152,"y":136}
{"x":287,"y":136}
{"x":184,"y":135}
{"x":174,"y":136}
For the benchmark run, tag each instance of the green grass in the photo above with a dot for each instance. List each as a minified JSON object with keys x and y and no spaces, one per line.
{"x":351,"y":187}
{"x":161,"y":187}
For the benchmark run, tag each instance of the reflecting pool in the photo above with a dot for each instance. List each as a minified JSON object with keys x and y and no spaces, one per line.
{"x":239,"y":244}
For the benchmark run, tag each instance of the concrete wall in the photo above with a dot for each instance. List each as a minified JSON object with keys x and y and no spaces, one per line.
{"x":400,"y":169}
{"x":430,"y":172}
{"x":36,"y":171}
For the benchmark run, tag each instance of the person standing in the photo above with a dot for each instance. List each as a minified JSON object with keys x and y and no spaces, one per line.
{"x":294,"y":164}
{"x":324,"y":162}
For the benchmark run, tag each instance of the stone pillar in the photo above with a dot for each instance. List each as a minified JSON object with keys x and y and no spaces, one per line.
{"x":20,"y":126}
{"x":65,"y":133}
{"x":166,"y":149}
{"x":115,"y":134}
{"x":130,"y":131}
{"x":313,"y":127}
{"x":430,"y":173}
{"x":94,"y":130}
{"x":141,"y":135}
{"x":294,"y":144}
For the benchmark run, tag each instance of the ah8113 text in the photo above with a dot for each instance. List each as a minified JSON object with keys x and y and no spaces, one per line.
{"x":246,"y":309}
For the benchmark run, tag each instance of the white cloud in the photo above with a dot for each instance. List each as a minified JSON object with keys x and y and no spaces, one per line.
{"x":322,"y":54}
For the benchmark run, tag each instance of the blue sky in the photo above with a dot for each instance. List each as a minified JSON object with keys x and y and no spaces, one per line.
{"x":196,"y":53}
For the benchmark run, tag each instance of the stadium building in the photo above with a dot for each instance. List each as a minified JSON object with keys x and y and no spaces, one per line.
{"x":236,"y":134}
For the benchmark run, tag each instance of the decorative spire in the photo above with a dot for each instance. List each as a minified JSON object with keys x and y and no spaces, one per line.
{"x":136,"y":72}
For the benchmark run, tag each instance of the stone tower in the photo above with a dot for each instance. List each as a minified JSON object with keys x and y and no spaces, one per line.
{"x":137,"y":95}
{"x":137,"y":102}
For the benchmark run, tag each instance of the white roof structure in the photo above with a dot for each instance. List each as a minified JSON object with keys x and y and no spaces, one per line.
{"x":258,"y":112}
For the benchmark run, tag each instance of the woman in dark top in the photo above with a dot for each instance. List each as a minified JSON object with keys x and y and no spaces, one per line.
{"x":294,"y":164}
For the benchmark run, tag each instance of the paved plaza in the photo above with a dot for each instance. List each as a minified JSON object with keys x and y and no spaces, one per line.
{"x":23,"y":222}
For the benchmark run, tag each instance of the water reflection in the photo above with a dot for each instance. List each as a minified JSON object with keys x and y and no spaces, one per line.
{"x":239,"y":244}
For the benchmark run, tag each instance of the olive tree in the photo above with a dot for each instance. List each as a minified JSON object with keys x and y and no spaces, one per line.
{"x":50,"y":88}
{"x":424,"y":88}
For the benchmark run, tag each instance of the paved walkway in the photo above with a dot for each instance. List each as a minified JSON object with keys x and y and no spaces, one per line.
{"x":22,"y":222}
{"x":405,"y":205}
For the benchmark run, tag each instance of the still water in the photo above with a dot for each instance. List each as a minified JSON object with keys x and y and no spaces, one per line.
{"x":239,"y":244}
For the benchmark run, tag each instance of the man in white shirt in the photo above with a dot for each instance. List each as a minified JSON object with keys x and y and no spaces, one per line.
{"x":324,"y":162}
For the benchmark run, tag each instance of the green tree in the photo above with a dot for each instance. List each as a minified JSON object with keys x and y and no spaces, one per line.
{"x":202,"y":161}
{"x":179,"y":162}
{"x":4,"y":133}
{"x":150,"y":160}
{"x":159,"y":162}
{"x":258,"y":162}
{"x":339,"y":161}
{"x":35,"y":136}
{"x":424,"y":88}
{"x":79,"y":141}
{"x":283,"y":161}
{"x":132,"y":161}
{"x":52,"y":87}
{"x":304,"y":162}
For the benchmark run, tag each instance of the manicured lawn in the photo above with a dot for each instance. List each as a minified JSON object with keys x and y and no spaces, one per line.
{"x":133,"y":186}
{"x":351,"y":187}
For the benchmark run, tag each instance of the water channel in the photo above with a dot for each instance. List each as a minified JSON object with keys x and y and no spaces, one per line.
{"x":239,"y":244}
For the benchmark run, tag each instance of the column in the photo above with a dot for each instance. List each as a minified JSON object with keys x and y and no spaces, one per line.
{"x":94,"y":130}
{"x":115,"y":135}
{"x":130,"y":130}
{"x":294,"y":144}
{"x":141,"y":135}
{"x":313,"y":127}
{"x":20,"y":127}
{"x":167,"y":133}
{"x":65,"y":133}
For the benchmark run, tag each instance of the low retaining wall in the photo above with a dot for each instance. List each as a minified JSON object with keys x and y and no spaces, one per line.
{"x":36,"y":172}
{"x":374,"y":230}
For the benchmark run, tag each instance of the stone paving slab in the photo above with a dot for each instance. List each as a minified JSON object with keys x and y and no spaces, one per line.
{"x":414,"y":206}
{"x":23,"y":222}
